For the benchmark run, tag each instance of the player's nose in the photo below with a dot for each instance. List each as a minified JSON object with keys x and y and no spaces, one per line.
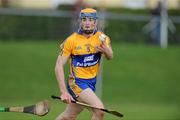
{"x":87,"y":23}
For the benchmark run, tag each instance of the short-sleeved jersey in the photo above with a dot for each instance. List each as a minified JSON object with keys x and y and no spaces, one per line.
{"x":84,"y":59}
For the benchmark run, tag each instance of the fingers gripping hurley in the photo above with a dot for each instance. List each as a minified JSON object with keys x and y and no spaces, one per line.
{"x":40,"y":109}
{"x":118,"y":114}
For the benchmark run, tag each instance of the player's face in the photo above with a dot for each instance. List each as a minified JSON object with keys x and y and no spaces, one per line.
{"x":88,"y":23}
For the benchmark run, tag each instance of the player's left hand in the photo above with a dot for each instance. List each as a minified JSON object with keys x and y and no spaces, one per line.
{"x":103,"y":48}
{"x":106,"y":50}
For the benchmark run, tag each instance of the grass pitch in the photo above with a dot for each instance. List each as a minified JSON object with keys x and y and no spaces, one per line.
{"x":141,"y":81}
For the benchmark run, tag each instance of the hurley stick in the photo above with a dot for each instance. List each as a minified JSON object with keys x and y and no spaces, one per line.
{"x":40,"y":109}
{"x":118,"y":114}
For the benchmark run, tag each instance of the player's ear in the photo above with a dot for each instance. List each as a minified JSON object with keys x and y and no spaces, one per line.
{"x":80,"y":23}
{"x":96,"y":21}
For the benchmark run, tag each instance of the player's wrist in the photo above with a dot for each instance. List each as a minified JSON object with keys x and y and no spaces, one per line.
{"x":109,"y":54}
{"x":63,"y":90}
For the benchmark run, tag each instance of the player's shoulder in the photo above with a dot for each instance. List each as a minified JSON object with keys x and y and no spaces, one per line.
{"x":72,"y":37}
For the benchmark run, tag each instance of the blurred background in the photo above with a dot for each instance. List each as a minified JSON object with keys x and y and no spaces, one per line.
{"x":142,"y":80}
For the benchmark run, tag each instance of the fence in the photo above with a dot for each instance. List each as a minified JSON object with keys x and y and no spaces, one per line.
{"x":23,"y":24}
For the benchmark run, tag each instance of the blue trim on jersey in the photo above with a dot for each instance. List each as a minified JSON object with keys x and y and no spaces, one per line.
{"x":86,"y":60}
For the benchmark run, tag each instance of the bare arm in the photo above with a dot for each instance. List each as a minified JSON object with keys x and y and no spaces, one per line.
{"x":59,"y":71}
{"x":106,"y":50}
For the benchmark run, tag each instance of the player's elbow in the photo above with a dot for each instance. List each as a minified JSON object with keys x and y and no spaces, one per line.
{"x":56,"y":69}
{"x":109,"y":57}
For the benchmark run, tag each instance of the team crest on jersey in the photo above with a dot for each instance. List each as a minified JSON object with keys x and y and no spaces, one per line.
{"x":78,"y":47}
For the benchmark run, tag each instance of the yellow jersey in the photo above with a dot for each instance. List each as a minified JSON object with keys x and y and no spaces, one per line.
{"x":84,"y":59}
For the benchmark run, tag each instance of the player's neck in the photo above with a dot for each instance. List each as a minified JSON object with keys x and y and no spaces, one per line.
{"x":87,"y":35}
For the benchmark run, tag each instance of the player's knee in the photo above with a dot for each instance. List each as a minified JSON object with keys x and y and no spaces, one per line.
{"x":66,"y":117}
{"x":98,"y":114}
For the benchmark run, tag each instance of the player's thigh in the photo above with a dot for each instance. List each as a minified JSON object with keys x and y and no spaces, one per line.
{"x":89,"y":97}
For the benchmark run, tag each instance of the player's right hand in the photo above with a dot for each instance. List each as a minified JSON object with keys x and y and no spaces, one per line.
{"x":66,"y":97}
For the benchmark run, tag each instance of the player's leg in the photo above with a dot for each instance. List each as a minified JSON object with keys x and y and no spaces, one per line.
{"x":89,"y":97}
{"x":71,"y":112}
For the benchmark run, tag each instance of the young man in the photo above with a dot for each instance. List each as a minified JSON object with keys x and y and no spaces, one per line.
{"x":83,"y":50}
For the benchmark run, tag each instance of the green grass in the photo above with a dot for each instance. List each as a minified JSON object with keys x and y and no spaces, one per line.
{"x":141,"y":81}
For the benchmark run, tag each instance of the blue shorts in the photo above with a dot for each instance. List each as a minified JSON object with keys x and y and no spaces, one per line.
{"x":77,"y":85}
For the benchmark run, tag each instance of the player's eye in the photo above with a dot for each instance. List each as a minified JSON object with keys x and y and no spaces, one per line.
{"x":83,"y":19}
{"x":91,"y":19}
